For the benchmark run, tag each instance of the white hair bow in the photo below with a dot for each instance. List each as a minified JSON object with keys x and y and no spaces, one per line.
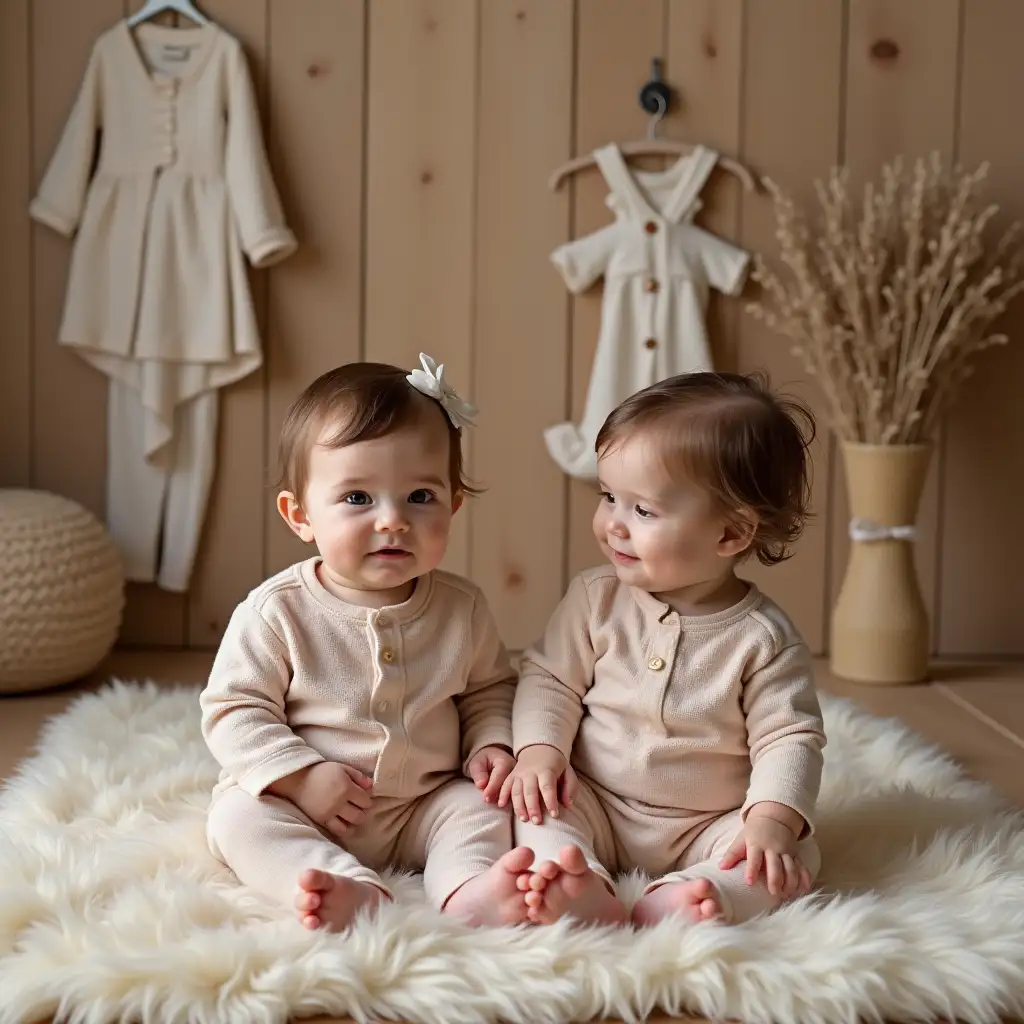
{"x":430,"y":382}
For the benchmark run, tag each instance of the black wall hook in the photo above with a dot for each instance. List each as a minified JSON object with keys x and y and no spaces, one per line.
{"x":655,"y":95}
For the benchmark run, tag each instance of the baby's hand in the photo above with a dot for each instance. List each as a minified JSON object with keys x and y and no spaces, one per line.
{"x":533,"y":784}
{"x":488,"y":768}
{"x":766,"y":841}
{"x":333,"y":795}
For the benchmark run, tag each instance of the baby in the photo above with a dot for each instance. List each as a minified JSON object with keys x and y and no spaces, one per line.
{"x":353,"y":692}
{"x":670,"y":707}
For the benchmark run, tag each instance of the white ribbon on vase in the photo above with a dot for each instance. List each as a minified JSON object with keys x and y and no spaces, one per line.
{"x":867,"y":530}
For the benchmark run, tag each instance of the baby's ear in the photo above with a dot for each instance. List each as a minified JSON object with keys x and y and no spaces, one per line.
{"x":738,"y":533}
{"x":295,"y":516}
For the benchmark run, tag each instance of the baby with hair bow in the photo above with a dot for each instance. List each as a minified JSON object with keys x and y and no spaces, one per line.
{"x":360,"y":702}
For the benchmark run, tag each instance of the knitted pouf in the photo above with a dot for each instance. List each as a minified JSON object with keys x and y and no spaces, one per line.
{"x":61,"y":591}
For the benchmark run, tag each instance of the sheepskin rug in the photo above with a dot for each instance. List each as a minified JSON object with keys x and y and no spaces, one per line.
{"x":111,"y":908}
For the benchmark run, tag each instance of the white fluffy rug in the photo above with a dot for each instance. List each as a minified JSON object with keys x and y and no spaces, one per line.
{"x":112,"y":909}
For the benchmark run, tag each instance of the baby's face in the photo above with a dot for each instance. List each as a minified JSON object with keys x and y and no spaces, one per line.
{"x":660,"y":533}
{"x":380,"y":511}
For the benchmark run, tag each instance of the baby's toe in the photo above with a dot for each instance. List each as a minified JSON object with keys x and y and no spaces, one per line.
{"x":709,"y":910}
{"x":537,"y":882}
{"x":313,"y":879}
{"x":307,"y":900}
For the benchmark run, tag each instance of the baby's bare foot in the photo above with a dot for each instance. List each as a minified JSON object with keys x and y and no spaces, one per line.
{"x":494,"y":897}
{"x":572,"y":888}
{"x":331,"y":901}
{"x":695,"y":900}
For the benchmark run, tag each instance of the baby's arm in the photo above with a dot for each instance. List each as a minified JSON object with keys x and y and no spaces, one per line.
{"x":485,"y":707}
{"x":554,"y":677}
{"x":785,"y":734}
{"x":245,"y":725}
{"x":243,"y":706}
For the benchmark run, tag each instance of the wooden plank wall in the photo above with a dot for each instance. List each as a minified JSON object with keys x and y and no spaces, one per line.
{"x":412,"y":141}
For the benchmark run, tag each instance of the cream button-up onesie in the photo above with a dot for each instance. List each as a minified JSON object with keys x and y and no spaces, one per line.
{"x":407,"y":694}
{"x":658,"y":267}
{"x":161,"y":177}
{"x":676,"y":726}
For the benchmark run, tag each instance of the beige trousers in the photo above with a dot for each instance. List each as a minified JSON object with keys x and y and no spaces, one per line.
{"x":156,"y":502}
{"x":670,"y":847}
{"x":450,"y":834}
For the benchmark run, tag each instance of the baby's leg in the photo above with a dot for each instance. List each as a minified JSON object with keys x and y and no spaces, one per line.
{"x":569,"y":878}
{"x":700,"y":890}
{"x":275,"y":849}
{"x":464,"y":846}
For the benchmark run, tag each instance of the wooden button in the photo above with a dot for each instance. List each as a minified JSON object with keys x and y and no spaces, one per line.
{"x":383,"y":621}
{"x":650,"y":227}
{"x":387,"y":655}
{"x":651,"y":343}
{"x":651,"y":285}
{"x":656,"y":664}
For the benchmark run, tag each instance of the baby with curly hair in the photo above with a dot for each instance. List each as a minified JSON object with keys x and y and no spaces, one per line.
{"x":667,"y":720}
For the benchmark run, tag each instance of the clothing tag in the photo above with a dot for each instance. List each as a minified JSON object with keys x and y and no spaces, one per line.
{"x":176,"y":52}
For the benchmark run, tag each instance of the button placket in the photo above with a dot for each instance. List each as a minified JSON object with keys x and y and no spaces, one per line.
{"x":393,"y":755}
{"x":167,"y":121}
{"x":386,"y":657}
{"x":662,"y":660}
{"x":656,"y":234}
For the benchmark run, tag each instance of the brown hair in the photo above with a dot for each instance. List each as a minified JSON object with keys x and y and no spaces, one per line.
{"x":367,"y":401}
{"x":732,"y":435}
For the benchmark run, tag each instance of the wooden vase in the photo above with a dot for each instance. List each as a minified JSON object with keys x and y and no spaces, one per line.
{"x":880,"y":631}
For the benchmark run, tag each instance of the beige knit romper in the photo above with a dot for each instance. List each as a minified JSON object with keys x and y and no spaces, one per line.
{"x":676,"y":726}
{"x":407,"y":694}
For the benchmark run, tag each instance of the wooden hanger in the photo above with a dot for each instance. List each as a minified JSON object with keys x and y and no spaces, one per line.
{"x":653,"y":146}
{"x":154,"y":7}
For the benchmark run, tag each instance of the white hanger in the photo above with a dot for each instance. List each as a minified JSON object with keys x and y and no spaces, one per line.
{"x":154,"y":7}
{"x":653,"y":146}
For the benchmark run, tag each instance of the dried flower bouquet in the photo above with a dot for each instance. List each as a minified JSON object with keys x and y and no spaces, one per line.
{"x":889,"y":298}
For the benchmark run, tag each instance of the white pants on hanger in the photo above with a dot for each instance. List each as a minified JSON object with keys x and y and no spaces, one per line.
{"x":156,"y":505}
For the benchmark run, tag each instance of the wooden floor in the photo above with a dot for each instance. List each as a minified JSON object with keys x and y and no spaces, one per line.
{"x":973,"y":711}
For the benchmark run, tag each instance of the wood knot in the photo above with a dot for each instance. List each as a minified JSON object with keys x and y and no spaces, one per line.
{"x":430,"y":25}
{"x":710,"y":50}
{"x":884,"y":49}
{"x":316,"y":70}
{"x":514,"y":579}
{"x":426,"y":177}
{"x":520,"y":15}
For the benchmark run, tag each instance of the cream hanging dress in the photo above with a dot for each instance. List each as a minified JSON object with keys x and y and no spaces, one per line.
{"x":157,"y":294}
{"x":162,"y":179}
{"x":658,"y":268}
